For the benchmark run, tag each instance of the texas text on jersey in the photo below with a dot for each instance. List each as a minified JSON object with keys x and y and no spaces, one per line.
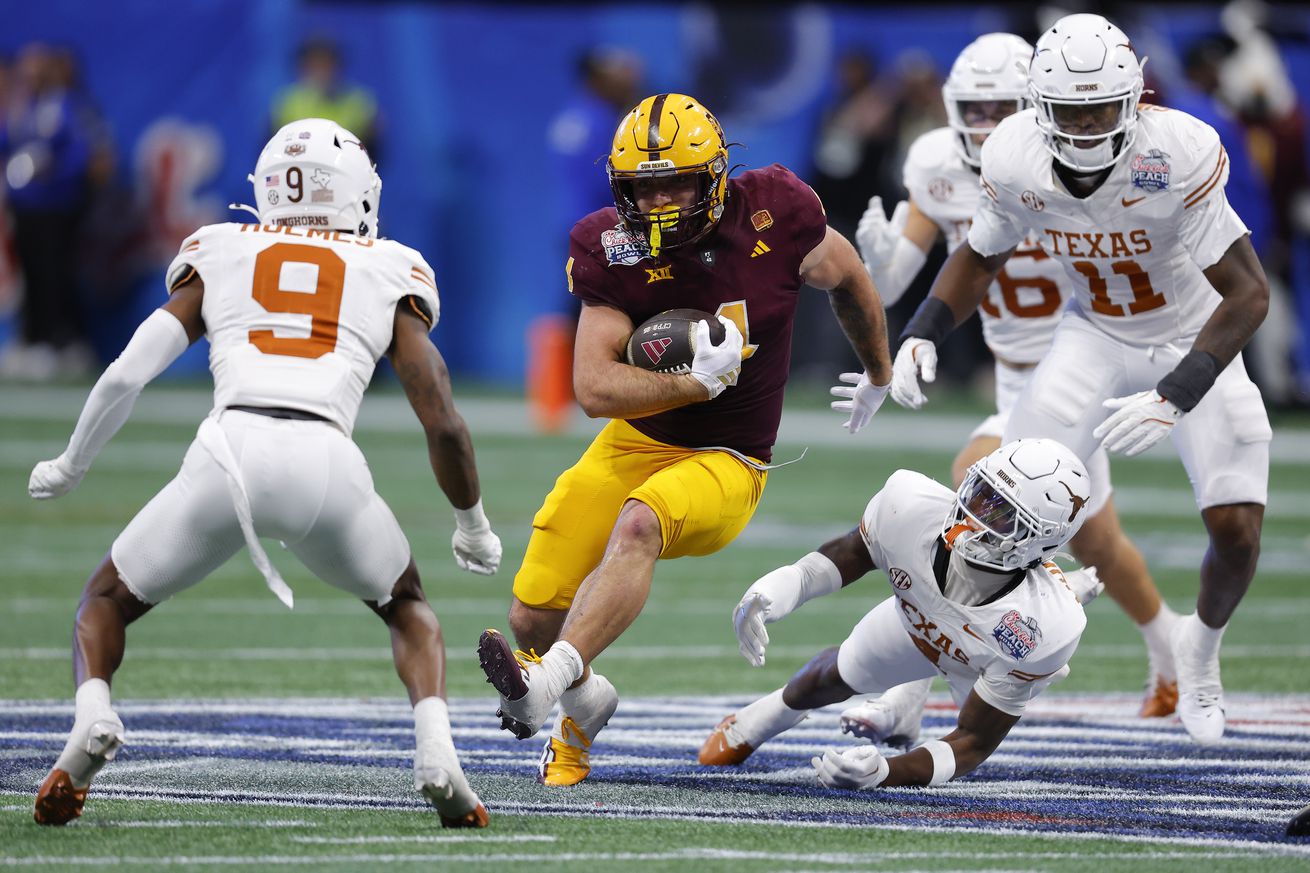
{"x":1007,"y":649}
{"x":748,"y":271}
{"x":1136,"y":246}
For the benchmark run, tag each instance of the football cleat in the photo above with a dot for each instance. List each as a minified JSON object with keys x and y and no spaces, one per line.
{"x":724,"y":748}
{"x":63,"y":793}
{"x":474,"y":818}
{"x":448,"y":792}
{"x":1299,"y":826}
{"x":1200,"y":692}
{"x":891,"y":719}
{"x":521,"y":712}
{"x":566,"y":759}
{"x":1161,"y":697}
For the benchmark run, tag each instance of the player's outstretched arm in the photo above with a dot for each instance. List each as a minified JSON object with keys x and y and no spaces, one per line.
{"x":779,"y":593}
{"x":607,"y":387}
{"x":956,"y":293}
{"x":423,"y":373}
{"x":1145,"y":418}
{"x":834,"y":266}
{"x":980,"y":729}
{"x":157,"y":342}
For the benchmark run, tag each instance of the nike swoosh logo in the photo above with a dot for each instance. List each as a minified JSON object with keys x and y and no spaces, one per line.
{"x":968,"y":630}
{"x":1126,"y":202}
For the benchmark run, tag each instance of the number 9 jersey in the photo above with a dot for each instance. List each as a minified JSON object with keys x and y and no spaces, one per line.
{"x":297,"y":317}
{"x":1135,"y":247}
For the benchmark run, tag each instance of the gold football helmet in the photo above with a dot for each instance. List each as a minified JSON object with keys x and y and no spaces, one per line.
{"x":669,"y":135}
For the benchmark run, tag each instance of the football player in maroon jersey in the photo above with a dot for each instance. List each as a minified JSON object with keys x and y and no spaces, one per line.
{"x":681,"y":466}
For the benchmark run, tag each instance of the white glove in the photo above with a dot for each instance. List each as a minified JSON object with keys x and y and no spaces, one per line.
{"x":863,"y":400}
{"x":1085,"y":584}
{"x":916,"y":359}
{"x":748,"y":620}
{"x":53,"y":478}
{"x":717,"y":367}
{"x":877,"y":239}
{"x":474,"y":543}
{"x":1143,"y":420}
{"x":858,"y":767}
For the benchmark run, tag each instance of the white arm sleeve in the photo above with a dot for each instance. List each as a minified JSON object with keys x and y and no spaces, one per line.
{"x":155,"y":345}
{"x":894,"y":275}
{"x":788,"y":588}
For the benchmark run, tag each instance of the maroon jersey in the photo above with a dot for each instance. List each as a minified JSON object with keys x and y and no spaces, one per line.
{"x":747,"y":269}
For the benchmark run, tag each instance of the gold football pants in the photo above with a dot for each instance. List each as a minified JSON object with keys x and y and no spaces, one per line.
{"x":703,"y":499}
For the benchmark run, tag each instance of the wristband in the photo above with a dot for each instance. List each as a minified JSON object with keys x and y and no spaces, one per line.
{"x":943,"y":761}
{"x":933,"y":321}
{"x":472,"y":519}
{"x":1186,"y":384}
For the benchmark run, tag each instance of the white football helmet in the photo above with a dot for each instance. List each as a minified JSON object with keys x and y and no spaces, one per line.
{"x":1085,"y":81}
{"x":314,"y":173}
{"x":992,"y":68}
{"x":1018,"y":505}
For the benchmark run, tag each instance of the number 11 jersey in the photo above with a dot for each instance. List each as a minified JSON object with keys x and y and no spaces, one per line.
{"x":1135,"y":248}
{"x":298,"y":317}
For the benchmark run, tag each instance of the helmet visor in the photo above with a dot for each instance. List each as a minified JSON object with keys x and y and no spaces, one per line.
{"x":1088,"y":123}
{"x":989,"y":507}
{"x":977,"y":116}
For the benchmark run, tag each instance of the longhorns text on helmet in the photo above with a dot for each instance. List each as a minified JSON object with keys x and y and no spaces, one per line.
{"x":314,"y":173}
{"x":1081,"y":65}
{"x":1045,"y":489}
{"x":669,"y":135}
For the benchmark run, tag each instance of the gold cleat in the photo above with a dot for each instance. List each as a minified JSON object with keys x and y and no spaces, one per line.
{"x":1161,"y":698}
{"x":720,"y":750}
{"x":566,"y":760}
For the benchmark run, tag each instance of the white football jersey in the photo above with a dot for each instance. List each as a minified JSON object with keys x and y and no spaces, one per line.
{"x":1024,"y":304}
{"x":1010,"y":649}
{"x":1136,"y":247}
{"x":298,"y":317}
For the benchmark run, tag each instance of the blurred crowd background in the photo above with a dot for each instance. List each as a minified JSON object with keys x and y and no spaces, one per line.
{"x":125,"y":126}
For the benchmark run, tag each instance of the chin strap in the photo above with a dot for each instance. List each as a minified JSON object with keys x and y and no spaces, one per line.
{"x":241,"y":207}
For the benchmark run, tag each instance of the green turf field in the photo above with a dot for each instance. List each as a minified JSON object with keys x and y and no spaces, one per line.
{"x":231,"y":639}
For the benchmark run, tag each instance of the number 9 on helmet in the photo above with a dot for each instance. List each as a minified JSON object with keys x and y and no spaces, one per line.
{"x":314,"y":173}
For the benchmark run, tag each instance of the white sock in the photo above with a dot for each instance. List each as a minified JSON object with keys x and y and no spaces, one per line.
{"x":1205,"y":640}
{"x":91,"y":704}
{"x":1156,"y":633}
{"x":588,"y":700}
{"x":92,"y":700}
{"x":766,"y":718}
{"x":561,"y":667}
{"x":434,"y":748}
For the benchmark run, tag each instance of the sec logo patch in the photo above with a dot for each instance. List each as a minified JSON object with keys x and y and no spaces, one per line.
{"x":899,"y":578}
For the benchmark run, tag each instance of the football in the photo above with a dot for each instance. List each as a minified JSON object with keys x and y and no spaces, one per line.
{"x":666,"y":343}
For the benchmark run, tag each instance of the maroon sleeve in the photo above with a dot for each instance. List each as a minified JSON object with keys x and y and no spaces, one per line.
{"x":803,"y":209}
{"x":594,"y":243}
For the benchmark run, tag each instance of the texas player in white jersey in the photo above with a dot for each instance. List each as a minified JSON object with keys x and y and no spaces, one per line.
{"x":298,"y":309}
{"x":988,"y":83}
{"x":1130,"y":200}
{"x":975,"y":599}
